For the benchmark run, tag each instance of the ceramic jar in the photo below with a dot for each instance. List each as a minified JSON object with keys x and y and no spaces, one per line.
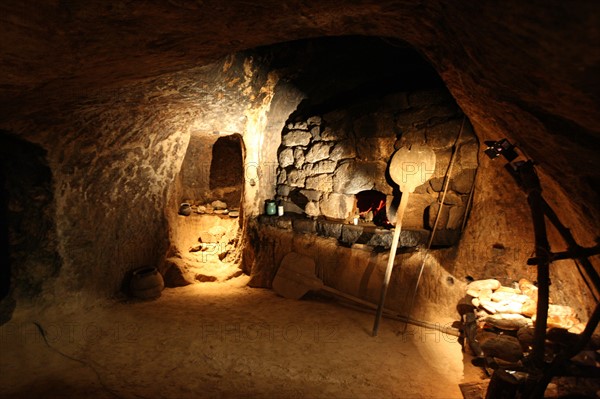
{"x":185,"y":209}
{"x":146,"y":283}
{"x":270,"y":207}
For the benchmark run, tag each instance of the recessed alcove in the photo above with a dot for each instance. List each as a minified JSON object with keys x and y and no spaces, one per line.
{"x":335,"y":148}
{"x":213,"y":169}
{"x":327,"y":160}
{"x":204,"y":237}
{"x":371,"y":208}
{"x":227,"y":170}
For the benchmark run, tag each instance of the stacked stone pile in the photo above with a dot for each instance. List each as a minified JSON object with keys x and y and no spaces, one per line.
{"x":506,"y":316}
{"x":494,"y":304}
{"x":215,"y":207}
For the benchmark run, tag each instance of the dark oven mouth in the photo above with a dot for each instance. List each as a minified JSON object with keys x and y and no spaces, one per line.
{"x":371,"y":208}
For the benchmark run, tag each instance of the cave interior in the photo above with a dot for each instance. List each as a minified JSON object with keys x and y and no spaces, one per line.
{"x":205,"y":199}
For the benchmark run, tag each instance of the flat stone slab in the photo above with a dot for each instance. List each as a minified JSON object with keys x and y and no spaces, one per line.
{"x":348,"y":234}
{"x":304,"y":226}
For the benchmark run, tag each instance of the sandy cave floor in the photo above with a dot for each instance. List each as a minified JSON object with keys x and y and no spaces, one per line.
{"x":224,"y":340}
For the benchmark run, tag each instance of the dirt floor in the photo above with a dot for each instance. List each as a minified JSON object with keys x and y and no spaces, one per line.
{"x":223,"y":340}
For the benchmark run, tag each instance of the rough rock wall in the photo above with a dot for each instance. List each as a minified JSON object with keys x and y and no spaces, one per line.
{"x":325,"y":161}
{"x":499,"y":239}
{"x":115,"y":158}
{"x":112,"y":191}
{"x":358,"y":271}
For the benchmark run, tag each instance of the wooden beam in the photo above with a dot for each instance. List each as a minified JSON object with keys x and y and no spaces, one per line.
{"x":576,"y":253}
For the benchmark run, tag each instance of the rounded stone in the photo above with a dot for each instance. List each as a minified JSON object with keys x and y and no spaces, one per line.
{"x":296,"y":137}
{"x":337,"y":206}
{"x":343,"y":150}
{"x":318,"y":152}
{"x":312,"y":209}
{"x":286,"y":157}
{"x":320,"y":183}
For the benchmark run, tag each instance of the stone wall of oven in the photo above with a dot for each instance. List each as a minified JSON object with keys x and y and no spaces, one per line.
{"x":325,"y":159}
{"x":355,"y":269}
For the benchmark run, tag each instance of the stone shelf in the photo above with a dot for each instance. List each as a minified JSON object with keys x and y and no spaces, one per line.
{"x":348,"y":234}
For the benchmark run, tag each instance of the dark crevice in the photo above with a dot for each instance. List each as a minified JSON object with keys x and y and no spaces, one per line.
{"x":28,"y":237}
{"x":5,"y":266}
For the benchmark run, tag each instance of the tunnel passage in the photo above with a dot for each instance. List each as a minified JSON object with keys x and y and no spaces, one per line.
{"x":29,"y":257}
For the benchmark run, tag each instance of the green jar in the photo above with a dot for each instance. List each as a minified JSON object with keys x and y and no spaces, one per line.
{"x":270,"y":207}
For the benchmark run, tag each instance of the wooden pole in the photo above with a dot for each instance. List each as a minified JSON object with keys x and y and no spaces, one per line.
{"x":390,"y":264}
{"x":542,"y":249}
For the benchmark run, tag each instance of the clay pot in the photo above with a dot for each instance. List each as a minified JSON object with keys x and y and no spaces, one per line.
{"x":146,"y":283}
{"x":185,"y":209}
{"x":270,"y":207}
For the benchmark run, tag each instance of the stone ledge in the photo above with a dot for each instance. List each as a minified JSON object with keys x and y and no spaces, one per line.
{"x":348,"y":234}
